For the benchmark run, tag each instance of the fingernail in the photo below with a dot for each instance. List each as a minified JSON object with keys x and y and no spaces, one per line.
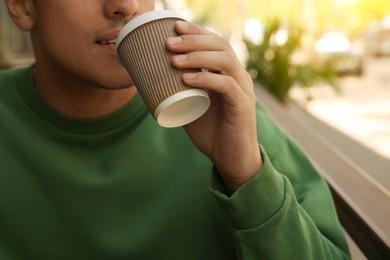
{"x":174,"y":40}
{"x":180,"y":58}
{"x":182,"y":24}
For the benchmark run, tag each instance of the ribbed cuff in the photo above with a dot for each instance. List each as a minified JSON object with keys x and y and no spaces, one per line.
{"x":254,"y":202}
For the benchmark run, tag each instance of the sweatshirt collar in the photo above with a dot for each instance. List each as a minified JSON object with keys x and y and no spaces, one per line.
{"x":131,"y":113}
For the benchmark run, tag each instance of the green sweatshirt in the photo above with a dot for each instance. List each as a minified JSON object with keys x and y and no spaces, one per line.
{"x":122,"y":187}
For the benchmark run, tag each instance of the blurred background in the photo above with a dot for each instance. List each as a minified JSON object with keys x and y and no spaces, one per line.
{"x":324,"y":63}
{"x":329,"y":57}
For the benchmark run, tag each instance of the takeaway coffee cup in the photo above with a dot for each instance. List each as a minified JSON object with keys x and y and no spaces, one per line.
{"x":140,"y":48}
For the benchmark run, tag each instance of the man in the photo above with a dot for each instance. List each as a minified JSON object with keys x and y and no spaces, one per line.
{"x":86,"y":173}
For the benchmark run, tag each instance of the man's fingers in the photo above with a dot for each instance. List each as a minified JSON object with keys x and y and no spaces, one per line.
{"x":221,"y":84}
{"x":213,"y":60}
{"x":188,"y":43}
{"x":183,"y":27}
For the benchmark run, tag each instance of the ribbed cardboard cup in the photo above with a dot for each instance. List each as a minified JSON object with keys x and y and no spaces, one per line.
{"x":141,"y":49}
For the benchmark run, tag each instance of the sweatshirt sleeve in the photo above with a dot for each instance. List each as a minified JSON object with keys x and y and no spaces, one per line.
{"x":285,"y":212}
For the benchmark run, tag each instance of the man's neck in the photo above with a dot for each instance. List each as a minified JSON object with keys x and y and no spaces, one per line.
{"x":82,"y":102}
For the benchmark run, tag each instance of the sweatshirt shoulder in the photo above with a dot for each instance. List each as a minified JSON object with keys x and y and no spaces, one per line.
{"x":270,"y":135}
{"x":8,"y":76}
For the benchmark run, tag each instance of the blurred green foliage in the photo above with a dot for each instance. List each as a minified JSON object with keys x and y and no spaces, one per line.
{"x":352,"y":16}
{"x":271,"y":62}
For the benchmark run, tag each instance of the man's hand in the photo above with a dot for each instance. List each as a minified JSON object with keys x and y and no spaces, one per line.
{"x":227,"y":132}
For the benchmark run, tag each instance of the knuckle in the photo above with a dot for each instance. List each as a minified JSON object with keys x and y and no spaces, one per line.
{"x":248,"y":77}
{"x":230,"y":81}
{"x":232,"y":57}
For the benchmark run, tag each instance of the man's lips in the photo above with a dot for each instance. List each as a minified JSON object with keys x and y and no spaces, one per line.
{"x":107,"y":41}
{"x":109,"y":47}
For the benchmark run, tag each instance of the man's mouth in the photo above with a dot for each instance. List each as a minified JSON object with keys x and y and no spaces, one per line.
{"x":108,"y":45}
{"x":112,"y":42}
{"x":107,"y":41}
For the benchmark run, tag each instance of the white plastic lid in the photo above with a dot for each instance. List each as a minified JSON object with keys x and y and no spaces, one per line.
{"x":141,"y":20}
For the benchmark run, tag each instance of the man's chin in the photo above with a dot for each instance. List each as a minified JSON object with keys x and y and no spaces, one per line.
{"x":116,"y":86}
{"x":122,"y":87}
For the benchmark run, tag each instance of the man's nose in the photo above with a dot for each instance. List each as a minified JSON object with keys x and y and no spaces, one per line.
{"x":122,"y":9}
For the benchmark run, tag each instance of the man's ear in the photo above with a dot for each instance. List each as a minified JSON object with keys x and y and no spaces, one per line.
{"x":21,"y":12}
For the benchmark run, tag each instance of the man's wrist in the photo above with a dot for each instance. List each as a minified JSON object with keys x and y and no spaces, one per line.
{"x":255,"y":201}
{"x":233,"y":182}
